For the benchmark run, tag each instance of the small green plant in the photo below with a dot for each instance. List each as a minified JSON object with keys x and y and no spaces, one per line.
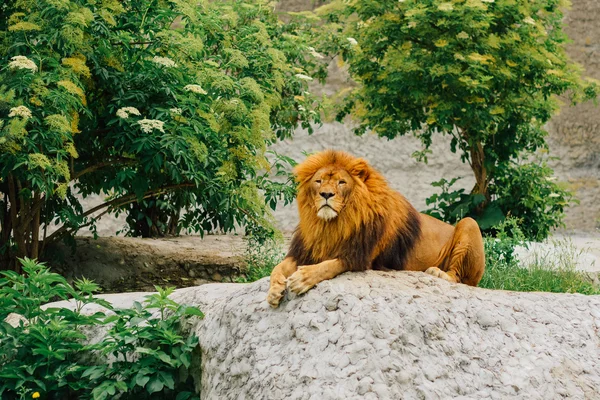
{"x":546,"y":271}
{"x":452,"y":206}
{"x":500,"y":250}
{"x":43,"y":351}
{"x":261,"y":257}
{"x":152,"y":353}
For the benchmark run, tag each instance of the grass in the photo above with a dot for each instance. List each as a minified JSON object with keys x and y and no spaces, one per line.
{"x":260,"y":259}
{"x":546,"y":271}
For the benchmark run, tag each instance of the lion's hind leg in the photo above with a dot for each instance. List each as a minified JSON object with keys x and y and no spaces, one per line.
{"x":462,"y":259}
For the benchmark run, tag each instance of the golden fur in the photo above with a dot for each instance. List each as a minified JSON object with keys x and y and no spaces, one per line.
{"x":351,"y":220}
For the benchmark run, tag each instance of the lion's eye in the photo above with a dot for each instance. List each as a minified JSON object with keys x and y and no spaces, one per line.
{"x":318,"y":181}
{"x":342,"y":182}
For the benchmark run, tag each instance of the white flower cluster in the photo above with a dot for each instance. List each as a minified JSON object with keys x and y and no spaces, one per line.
{"x":194,"y":89}
{"x":20,"y":111}
{"x":529,"y":21}
{"x":148,"y":125}
{"x":176,"y":111}
{"x":352,"y":41}
{"x":304,"y":77}
{"x":164,"y":61}
{"x":126,"y":111}
{"x":315,"y":54}
{"x":22,"y":62}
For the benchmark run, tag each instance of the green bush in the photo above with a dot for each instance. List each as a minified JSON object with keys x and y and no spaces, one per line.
{"x":527,"y":191}
{"x":261,"y":257}
{"x":46,"y":352}
{"x":165,"y":107}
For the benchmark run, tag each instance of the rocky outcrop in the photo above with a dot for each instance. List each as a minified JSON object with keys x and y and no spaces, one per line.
{"x":393,"y":335}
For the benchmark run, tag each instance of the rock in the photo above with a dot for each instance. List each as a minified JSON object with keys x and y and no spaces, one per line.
{"x":376,"y":335}
{"x":391,"y":335}
{"x":165,"y":262}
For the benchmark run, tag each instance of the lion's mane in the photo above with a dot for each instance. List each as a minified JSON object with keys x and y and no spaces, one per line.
{"x":377,"y":227}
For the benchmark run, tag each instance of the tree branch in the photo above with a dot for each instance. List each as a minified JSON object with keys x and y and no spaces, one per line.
{"x":115,"y":203}
{"x":95,"y":167}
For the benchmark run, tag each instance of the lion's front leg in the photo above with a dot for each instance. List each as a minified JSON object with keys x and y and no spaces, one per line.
{"x":279,"y":277}
{"x":308,"y":276}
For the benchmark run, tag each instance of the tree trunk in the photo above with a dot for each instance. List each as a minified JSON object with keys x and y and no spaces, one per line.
{"x":18,"y":236}
{"x":35,"y":230}
{"x":482,"y":179}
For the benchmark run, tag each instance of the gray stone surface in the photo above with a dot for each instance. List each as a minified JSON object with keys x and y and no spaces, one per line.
{"x":392,"y":335}
{"x":384,"y":335}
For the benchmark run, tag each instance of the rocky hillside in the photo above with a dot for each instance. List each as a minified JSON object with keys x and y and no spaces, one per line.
{"x":574,"y":137}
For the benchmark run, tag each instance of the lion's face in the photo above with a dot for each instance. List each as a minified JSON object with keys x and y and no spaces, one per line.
{"x":331,"y":189}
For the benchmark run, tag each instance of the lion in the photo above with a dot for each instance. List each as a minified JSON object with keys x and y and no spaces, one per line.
{"x":351,"y":220}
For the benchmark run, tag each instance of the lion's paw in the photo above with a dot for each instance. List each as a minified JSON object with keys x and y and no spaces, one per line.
{"x":435,"y":271}
{"x":275,"y":293}
{"x":301,"y":281}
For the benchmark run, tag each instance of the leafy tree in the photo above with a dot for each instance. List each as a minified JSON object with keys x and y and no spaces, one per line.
{"x":174,"y":101}
{"x":485,"y":72}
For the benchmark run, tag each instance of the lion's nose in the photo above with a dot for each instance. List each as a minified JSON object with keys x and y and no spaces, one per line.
{"x":326,"y":195}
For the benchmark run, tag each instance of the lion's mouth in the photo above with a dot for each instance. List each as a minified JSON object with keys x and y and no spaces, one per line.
{"x":327,"y":212}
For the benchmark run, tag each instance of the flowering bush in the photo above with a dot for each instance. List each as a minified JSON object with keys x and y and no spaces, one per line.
{"x":166,"y":105}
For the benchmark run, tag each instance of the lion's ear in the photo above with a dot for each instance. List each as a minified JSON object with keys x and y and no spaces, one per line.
{"x":303,"y":172}
{"x":360,"y":168}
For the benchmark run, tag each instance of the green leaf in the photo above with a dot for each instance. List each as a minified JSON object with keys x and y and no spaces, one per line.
{"x":167,"y":379}
{"x":141,"y":380}
{"x":183,"y":395}
{"x":155,"y":385}
{"x":492,"y":216}
{"x":193,"y":311}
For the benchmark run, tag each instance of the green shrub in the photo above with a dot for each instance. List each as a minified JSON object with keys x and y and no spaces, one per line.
{"x":46,"y":352}
{"x":500,"y":250}
{"x":527,"y":191}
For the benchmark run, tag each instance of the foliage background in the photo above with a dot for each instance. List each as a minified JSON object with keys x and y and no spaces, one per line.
{"x":170,"y":100}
